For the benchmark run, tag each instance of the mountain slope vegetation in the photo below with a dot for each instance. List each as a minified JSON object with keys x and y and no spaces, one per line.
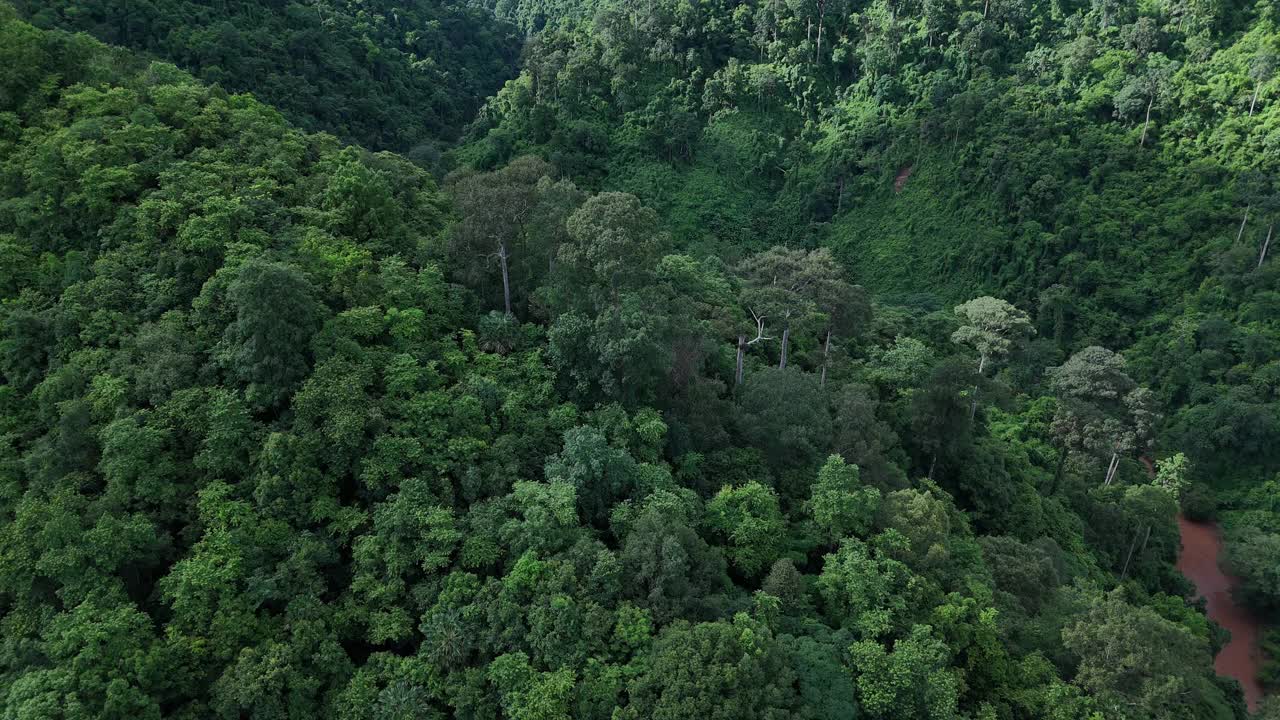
{"x":770,"y":360}
{"x":386,"y":75}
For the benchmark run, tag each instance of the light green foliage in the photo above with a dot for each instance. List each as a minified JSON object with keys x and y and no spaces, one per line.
{"x":613,"y":244}
{"x":1101,"y":410}
{"x":866,"y":589}
{"x":528,"y":694}
{"x":749,"y":521}
{"x":903,"y":365}
{"x":911,"y":680}
{"x":840,"y":504}
{"x":1171,"y":474}
{"x":992,"y":327}
{"x":924,"y":520}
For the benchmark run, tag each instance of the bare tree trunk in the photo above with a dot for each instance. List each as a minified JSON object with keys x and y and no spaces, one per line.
{"x":1147,"y":122}
{"x":985,"y":7}
{"x":1265,"y":244}
{"x":742,"y":349}
{"x":1125,"y":572}
{"x":1240,"y":234}
{"x":1111,"y":468}
{"x":826,"y":352}
{"x":786,"y":337}
{"x":933,"y":464}
{"x":817,"y":54}
{"x":973,"y":402}
{"x":1254,"y":101}
{"x":506,"y":278}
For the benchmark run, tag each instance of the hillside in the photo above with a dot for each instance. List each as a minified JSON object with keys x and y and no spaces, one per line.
{"x":757,"y":361}
{"x":387,"y":75}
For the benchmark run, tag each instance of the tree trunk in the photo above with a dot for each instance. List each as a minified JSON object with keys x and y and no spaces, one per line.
{"x":1125,"y":570}
{"x":506,"y":278}
{"x":817,"y":54}
{"x":933,"y":464}
{"x":1111,"y":468}
{"x":1265,"y":244}
{"x":973,"y":402}
{"x":985,"y":7}
{"x":1254,"y":101}
{"x":1240,"y":234}
{"x":742,"y":349}
{"x":826,"y":352}
{"x":786,"y":336}
{"x":1147,"y":122}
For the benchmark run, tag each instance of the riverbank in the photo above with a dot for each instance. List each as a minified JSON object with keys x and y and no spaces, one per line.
{"x":1199,"y":562}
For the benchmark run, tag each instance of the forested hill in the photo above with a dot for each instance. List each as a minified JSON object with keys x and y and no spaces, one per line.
{"x":602,"y":425}
{"x":1111,"y":166}
{"x":399,"y":75}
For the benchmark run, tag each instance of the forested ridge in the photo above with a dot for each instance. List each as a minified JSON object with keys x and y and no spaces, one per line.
{"x":403,"y":75}
{"x":842,"y":359}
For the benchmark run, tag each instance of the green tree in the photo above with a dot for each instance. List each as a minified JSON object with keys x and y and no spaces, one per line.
{"x":266,"y":346}
{"x":1101,"y":410}
{"x":1136,"y":662}
{"x":911,"y":680}
{"x":716,"y":670}
{"x":993,"y":328}
{"x":748,"y":520}
{"x":840,"y":504}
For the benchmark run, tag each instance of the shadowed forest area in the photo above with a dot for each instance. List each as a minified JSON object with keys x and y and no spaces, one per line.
{"x":619,"y":360}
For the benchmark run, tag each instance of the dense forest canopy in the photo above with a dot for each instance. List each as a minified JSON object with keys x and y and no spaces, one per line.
{"x":831,"y":359}
{"x":386,"y":74}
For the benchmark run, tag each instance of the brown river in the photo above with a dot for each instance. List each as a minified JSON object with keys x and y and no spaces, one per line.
{"x":1240,"y":659}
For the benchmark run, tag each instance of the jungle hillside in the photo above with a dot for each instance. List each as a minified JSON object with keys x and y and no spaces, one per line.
{"x":618,"y":360}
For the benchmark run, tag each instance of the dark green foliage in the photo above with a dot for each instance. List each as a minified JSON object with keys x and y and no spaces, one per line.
{"x":264,"y":348}
{"x":385,"y":74}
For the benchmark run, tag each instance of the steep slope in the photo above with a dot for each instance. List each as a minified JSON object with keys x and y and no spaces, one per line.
{"x":387,"y":75}
{"x":288,"y":431}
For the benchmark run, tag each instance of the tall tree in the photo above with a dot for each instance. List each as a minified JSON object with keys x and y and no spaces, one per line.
{"x":1261,"y":68}
{"x":513,"y":215}
{"x":266,"y":347}
{"x":993,"y":328}
{"x":1101,"y":410}
{"x":614,"y":244}
{"x":790,"y":286}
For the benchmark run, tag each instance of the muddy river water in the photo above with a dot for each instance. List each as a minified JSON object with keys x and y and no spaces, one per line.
{"x":1240,"y":659}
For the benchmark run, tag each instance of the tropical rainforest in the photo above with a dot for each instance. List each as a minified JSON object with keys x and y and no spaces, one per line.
{"x":629,"y":360}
